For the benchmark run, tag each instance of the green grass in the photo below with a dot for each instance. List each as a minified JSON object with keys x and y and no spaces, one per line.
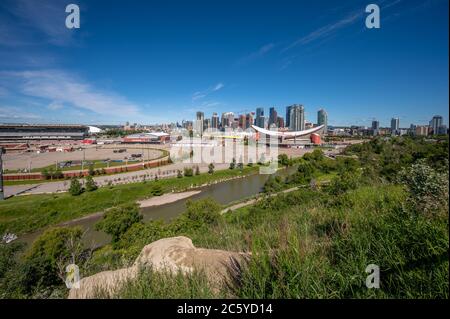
{"x":24,"y":214}
{"x":309,"y":244}
{"x":165,"y":285}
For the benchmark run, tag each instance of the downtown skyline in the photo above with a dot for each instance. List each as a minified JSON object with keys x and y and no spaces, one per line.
{"x":140,"y":66}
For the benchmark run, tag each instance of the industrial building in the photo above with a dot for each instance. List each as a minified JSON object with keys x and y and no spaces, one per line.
{"x":150,"y":138}
{"x":36,"y":132}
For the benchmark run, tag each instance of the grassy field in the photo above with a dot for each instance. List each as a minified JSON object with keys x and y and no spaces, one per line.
{"x":388,"y":207}
{"x":27,"y":213}
{"x":309,"y":244}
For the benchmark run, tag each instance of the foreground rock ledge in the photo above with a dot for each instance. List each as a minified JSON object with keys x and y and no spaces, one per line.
{"x":169,"y":254}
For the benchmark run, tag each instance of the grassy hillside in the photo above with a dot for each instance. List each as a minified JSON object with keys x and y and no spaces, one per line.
{"x":388,"y":207}
{"x":24,"y":214}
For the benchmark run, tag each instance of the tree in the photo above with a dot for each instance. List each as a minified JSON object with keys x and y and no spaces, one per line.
{"x":45,"y":173}
{"x":188,"y":171}
{"x":233,"y":163}
{"x":198,"y":214}
{"x":46,"y":260}
{"x":116,"y":221}
{"x":283,"y":159}
{"x":273,"y":184}
{"x":58,"y":174}
{"x":157,"y":190}
{"x":75,"y":188}
{"x":91,"y":170}
{"x":90,"y":184}
{"x":211,"y":168}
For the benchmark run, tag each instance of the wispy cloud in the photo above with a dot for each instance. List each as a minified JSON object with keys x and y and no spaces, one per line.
{"x":15,"y":113}
{"x":59,"y":87}
{"x":44,"y":18}
{"x":257,"y":54}
{"x":202,"y":94}
{"x":326,"y":31}
{"x":55,"y":105}
{"x":3,"y":91}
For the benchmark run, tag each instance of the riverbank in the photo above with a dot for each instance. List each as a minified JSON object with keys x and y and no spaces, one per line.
{"x":166,"y":199}
{"x":25,"y":214}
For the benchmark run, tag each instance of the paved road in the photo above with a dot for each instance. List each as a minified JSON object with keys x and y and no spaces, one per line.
{"x":162,"y":172}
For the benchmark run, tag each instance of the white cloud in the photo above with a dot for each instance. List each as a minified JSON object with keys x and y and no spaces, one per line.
{"x":45,"y":17}
{"x":14,"y":113}
{"x":255,"y":55}
{"x":201,"y":94}
{"x":65,"y":88}
{"x":55,"y":105}
{"x":218,"y":86}
{"x":326,"y":31}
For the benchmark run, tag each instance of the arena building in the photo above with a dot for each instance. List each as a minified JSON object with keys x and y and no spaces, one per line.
{"x":154,"y":137}
{"x":37,"y":132}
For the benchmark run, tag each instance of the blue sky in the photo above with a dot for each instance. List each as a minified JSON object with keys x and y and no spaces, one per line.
{"x":160,"y":61}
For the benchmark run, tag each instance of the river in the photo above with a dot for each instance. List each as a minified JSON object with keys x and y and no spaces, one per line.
{"x":224,"y":193}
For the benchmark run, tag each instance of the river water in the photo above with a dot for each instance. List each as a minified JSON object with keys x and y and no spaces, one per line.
{"x":224,"y":193}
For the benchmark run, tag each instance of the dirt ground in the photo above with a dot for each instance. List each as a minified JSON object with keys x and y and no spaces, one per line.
{"x":15,"y":161}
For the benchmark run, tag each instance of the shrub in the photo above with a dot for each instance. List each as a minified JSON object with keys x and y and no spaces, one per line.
{"x":90,"y":184}
{"x":273,"y":184}
{"x":45,"y":173}
{"x":188,"y":172}
{"x":201,"y":213}
{"x":157,"y":190}
{"x":427,"y":188}
{"x":75,"y":188}
{"x":233,"y":163}
{"x":116,"y":221}
{"x":211,"y":168}
{"x":45,"y":262}
{"x":284,"y":160}
{"x":343,"y":183}
{"x":91,"y":170}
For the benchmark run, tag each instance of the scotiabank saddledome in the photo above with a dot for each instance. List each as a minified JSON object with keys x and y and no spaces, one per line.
{"x":26,"y":132}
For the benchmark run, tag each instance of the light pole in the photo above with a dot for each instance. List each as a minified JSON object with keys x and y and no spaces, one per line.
{"x":2,"y":197}
{"x":82,"y":162}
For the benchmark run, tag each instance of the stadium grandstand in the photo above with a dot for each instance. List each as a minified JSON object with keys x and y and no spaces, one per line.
{"x":36,"y":132}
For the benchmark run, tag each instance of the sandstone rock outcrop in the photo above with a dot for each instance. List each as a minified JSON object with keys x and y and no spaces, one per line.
{"x":168,"y":254}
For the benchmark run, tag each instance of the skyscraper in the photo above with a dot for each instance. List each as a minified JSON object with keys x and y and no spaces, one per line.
{"x":435,"y":123}
{"x":322,"y":119}
{"x":297,"y":119}
{"x":259,"y":121}
{"x":227,"y":119}
{"x":375,"y":127}
{"x":199,"y":122}
{"x":280,"y":122}
{"x":215,"y":121}
{"x":249,"y":120}
{"x":288,"y":115}
{"x":242,"y":121}
{"x":395,"y":126}
{"x":273,"y":116}
{"x":206,"y":124}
